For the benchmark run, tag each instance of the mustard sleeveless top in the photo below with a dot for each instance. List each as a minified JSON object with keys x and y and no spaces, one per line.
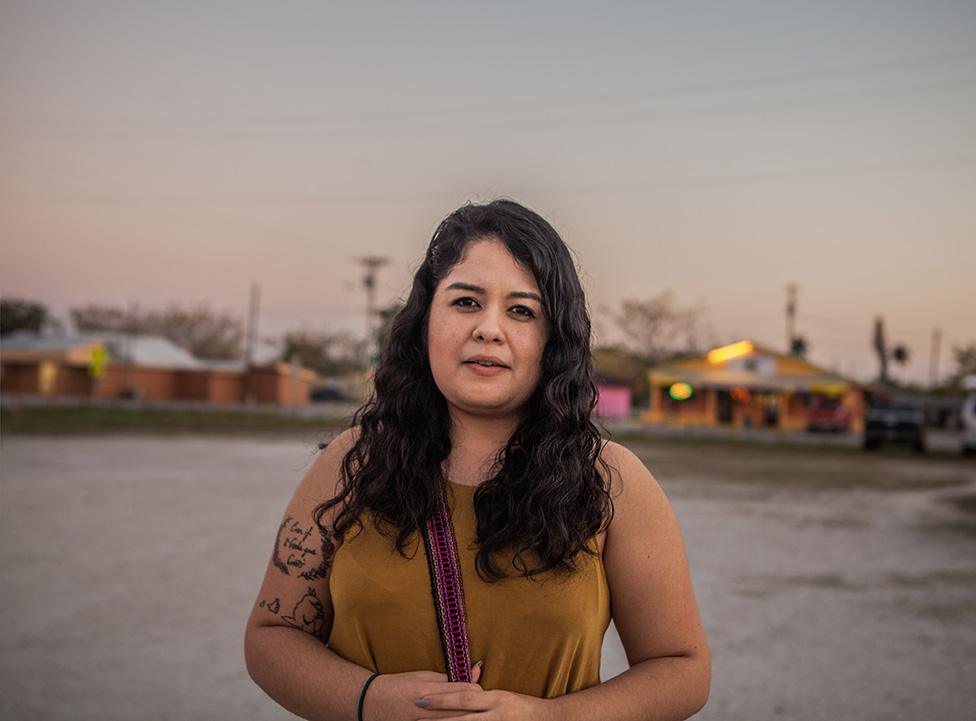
{"x":542,"y":638}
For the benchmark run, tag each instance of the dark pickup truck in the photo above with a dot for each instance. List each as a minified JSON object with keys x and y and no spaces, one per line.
{"x":898,"y":423}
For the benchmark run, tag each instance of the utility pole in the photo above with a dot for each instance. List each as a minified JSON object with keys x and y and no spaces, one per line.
{"x":881,"y":348}
{"x":132,"y":313}
{"x":371,"y":263}
{"x":252,"y":325}
{"x":934,"y":358}
{"x":790,"y":316}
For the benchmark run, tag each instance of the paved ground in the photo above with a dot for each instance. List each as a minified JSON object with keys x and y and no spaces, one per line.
{"x":833,"y":585}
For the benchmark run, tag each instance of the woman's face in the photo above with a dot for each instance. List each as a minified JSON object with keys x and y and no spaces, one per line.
{"x":487,"y":305}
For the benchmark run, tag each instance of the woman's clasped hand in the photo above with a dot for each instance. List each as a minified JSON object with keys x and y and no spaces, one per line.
{"x":429,"y":695}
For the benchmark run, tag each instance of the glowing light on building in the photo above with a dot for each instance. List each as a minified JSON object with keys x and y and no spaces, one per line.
{"x":47,"y":375}
{"x":740,"y":394}
{"x":733,"y":350}
{"x":680,"y":391}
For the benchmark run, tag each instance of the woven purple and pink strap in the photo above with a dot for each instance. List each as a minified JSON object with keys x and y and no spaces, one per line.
{"x":440,"y":544}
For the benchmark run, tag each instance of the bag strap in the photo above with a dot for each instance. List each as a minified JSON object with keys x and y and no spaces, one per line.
{"x":440,"y":544}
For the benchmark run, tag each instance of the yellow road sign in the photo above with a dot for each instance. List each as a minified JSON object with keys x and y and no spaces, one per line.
{"x":96,"y":361}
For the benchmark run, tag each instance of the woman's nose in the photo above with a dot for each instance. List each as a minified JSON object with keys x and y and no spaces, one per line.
{"x":488,"y":328}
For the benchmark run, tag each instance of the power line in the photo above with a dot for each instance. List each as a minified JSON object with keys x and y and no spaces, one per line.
{"x":791,"y":78}
{"x":959,"y":163}
{"x":596,"y":116}
{"x":842,"y":327}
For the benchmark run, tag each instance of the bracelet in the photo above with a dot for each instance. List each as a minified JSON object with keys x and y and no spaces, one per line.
{"x":362,"y":695}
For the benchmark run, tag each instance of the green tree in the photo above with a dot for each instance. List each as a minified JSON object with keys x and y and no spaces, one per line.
{"x":799,"y":346}
{"x":386,"y":316}
{"x":19,"y":314}
{"x":900,"y":353}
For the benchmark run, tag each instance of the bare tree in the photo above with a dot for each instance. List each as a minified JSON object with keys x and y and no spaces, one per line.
{"x":326,"y":353}
{"x":91,"y":318}
{"x":657,"y":330}
{"x":965,"y":360}
{"x":199,"y":330}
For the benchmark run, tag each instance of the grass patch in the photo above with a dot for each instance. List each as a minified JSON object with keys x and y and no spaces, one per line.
{"x":114,"y":420}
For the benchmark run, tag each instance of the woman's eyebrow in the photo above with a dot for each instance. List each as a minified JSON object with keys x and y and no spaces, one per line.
{"x":478,"y":289}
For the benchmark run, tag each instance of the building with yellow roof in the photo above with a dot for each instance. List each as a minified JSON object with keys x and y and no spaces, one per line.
{"x":747,"y":385}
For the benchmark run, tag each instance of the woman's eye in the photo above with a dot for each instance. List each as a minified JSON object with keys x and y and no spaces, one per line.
{"x":521,"y":310}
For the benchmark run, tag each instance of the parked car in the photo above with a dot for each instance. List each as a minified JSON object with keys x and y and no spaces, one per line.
{"x":897,"y":422}
{"x":827,"y":415}
{"x":326,"y":392}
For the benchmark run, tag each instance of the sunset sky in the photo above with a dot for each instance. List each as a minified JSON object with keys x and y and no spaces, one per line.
{"x":179,"y":151}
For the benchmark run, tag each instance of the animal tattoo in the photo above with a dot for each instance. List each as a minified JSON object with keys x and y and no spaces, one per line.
{"x":308,"y":614}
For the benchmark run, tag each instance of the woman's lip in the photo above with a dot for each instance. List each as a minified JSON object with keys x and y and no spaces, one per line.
{"x":480,"y":361}
{"x":485,"y":370}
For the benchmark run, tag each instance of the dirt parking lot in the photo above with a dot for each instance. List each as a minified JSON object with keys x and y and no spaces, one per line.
{"x":832,"y":584}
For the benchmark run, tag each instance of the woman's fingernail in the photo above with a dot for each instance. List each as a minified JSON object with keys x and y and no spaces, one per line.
{"x":422,"y":702}
{"x":479,"y":663}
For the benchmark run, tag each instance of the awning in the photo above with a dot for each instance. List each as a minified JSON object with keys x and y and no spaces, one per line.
{"x":728,"y":379}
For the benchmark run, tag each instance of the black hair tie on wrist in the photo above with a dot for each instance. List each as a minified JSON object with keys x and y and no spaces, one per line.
{"x":362,"y":695}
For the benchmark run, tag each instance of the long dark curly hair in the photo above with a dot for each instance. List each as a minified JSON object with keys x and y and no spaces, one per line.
{"x":547,"y":497}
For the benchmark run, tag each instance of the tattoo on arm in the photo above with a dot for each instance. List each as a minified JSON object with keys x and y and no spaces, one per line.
{"x":308,"y":614}
{"x":295,"y":555}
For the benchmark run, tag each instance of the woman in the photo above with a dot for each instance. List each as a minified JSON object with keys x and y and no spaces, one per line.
{"x":484,"y":390}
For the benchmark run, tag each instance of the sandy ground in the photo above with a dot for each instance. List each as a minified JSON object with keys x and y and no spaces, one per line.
{"x":832,"y":584}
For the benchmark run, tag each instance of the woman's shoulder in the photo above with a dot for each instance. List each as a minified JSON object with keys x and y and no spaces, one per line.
{"x":345,"y":440}
{"x":324,"y":476}
{"x":633,"y":490}
{"x":637,"y":496}
{"x":333,"y":451}
{"x":624,"y":469}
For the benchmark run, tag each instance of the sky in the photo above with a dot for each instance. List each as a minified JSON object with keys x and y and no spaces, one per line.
{"x":177,"y":152}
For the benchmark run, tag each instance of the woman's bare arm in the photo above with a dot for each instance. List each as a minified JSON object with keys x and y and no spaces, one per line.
{"x":285,"y":638}
{"x":303,"y":675}
{"x":653,"y":608}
